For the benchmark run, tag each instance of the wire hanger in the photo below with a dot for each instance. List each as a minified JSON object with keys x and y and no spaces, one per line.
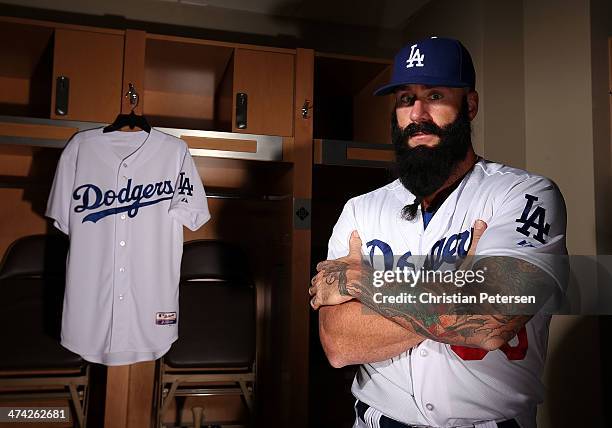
{"x":131,"y":120}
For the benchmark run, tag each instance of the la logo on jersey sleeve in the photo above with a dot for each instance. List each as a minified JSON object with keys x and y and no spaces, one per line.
{"x":533,"y":222}
{"x":184,"y":187}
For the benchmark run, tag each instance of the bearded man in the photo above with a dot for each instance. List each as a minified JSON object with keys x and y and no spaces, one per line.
{"x":443,"y":365}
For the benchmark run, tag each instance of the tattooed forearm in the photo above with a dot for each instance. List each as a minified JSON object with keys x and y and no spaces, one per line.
{"x":485,"y":324}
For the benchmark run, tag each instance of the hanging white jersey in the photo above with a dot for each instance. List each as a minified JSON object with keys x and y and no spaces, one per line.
{"x":123,"y":198}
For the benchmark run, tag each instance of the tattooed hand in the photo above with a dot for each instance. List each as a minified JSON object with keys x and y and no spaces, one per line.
{"x":338,"y":279}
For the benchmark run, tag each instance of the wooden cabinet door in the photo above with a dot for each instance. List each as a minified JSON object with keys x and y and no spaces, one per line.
{"x":267,"y":79}
{"x":93,"y":63}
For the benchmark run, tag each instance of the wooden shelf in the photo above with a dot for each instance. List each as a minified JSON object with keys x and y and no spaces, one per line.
{"x":351,"y":153}
{"x":28,"y":132}
{"x":230,"y":144}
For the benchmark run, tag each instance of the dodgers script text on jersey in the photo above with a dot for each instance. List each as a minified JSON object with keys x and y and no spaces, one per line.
{"x":123,"y":198}
{"x":427,"y":385}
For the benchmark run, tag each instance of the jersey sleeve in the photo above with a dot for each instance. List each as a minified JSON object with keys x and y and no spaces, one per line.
{"x":58,"y":203}
{"x":189,"y":205}
{"x":338,"y":245}
{"x":530,"y":224}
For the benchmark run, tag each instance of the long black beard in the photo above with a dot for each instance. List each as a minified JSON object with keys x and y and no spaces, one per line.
{"x":422,"y":169}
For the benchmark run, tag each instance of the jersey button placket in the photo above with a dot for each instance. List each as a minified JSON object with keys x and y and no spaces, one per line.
{"x":121,"y":303}
{"x":420,"y":359}
{"x":122,"y":236}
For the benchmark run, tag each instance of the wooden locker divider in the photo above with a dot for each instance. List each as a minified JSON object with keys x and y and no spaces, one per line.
{"x":133,"y":69}
{"x":140,"y":394}
{"x":129,"y":395}
{"x":117,"y":391}
{"x":300,"y":272}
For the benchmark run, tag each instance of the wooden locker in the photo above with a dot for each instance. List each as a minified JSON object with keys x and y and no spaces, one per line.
{"x":93,"y":62}
{"x":268,"y":80}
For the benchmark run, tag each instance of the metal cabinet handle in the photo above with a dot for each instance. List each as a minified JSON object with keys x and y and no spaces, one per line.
{"x":305,"y":107}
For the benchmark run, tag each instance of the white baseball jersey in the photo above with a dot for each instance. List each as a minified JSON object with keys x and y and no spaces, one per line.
{"x":440,"y":385}
{"x":123,"y":198}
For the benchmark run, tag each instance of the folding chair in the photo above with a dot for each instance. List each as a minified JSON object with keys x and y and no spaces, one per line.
{"x":215,"y":352}
{"x":33,"y":364}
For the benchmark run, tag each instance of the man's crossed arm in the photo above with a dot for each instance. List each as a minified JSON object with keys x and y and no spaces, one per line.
{"x":351,"y":335}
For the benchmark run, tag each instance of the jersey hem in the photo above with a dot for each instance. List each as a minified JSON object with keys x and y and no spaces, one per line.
{"x":99,"y":358}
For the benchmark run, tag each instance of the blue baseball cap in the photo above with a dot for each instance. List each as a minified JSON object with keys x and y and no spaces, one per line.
{"x":435,"y":61}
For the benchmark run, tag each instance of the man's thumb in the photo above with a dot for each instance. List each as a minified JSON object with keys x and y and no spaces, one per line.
{"x":479,"y":228}
{"x":355,"y":245}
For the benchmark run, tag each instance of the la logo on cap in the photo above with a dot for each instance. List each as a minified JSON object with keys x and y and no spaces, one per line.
{"x":415,"y":57}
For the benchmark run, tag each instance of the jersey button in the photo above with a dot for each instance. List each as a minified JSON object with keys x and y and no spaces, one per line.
{"x":423,"y":353}
{"x":121,"y":269}
{"x":125,"y":165}
{"x":121,"y":297}
{"x":429,"y":406}
{"x":122,"y":216}
{"x":122,"y":243}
